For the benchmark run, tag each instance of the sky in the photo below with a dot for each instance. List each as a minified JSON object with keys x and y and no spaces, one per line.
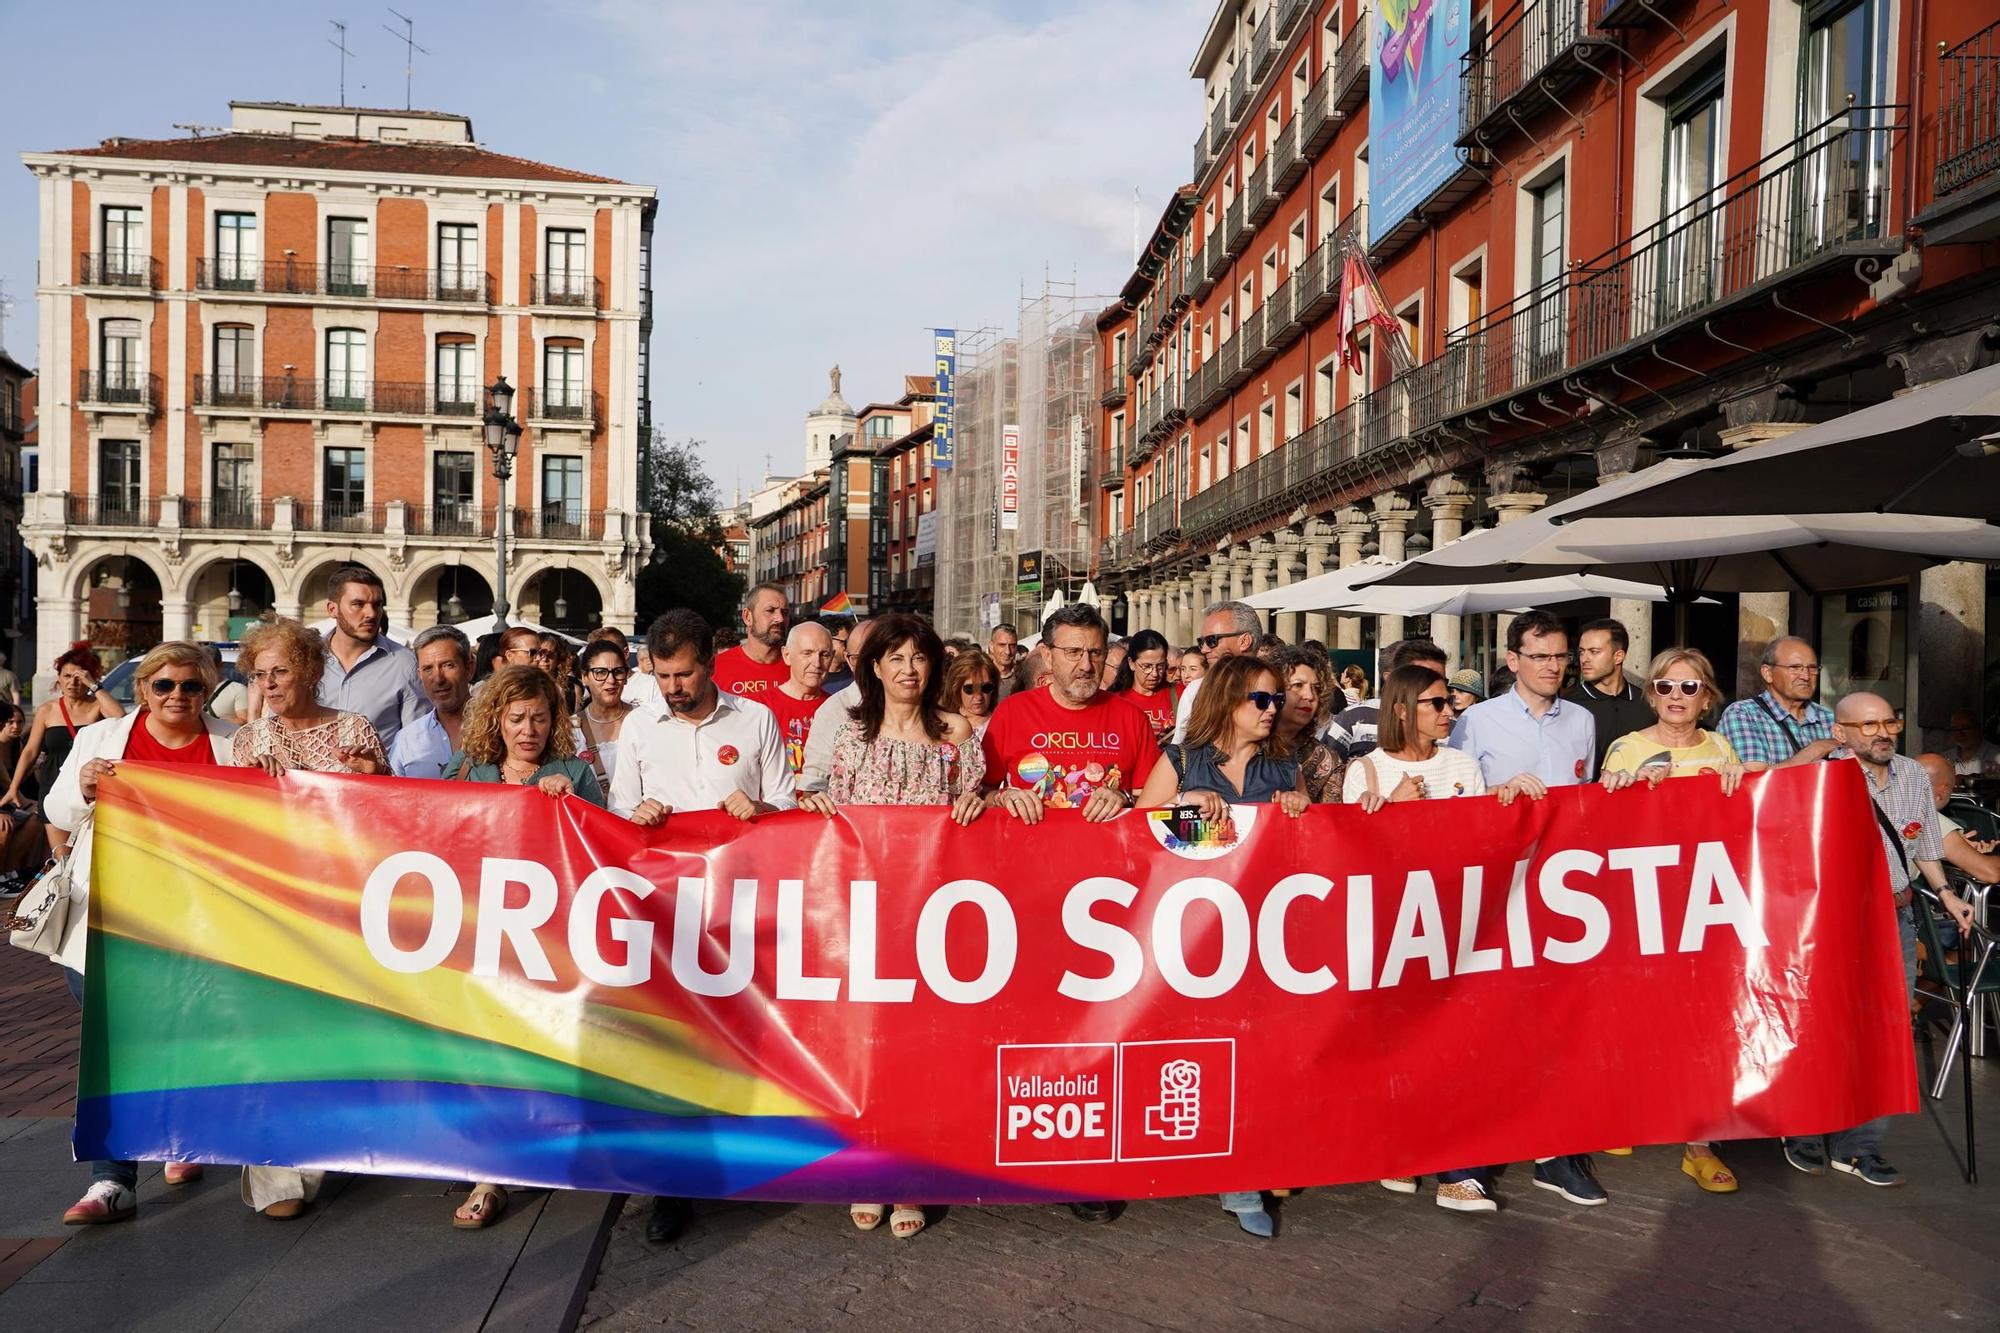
{"x":835,"y":178}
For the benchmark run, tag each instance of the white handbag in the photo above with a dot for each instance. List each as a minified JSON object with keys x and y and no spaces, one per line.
{"x":41,"y":920}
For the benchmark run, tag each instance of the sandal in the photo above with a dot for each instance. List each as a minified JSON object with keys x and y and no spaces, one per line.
{"x":1708,"y":1172}
{"x":481,"y":1209}
{"x":865,"y":1216}
{"x":181,"y":1173}
{"x":906,"y":1221}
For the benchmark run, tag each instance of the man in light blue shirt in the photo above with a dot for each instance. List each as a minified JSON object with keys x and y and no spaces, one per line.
{"x":444,"y":665}
{"x":1527,"y":741}
{"x":365,"y":672}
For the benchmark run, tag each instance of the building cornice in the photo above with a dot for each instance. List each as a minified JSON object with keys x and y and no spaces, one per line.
{"x":63,"y":164}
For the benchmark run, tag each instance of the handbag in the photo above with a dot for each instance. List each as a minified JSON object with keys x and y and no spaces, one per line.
{"x":41,"y":922}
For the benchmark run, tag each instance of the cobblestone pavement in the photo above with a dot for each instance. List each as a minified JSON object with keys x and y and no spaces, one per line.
{"x":1787,"y":1252}
{"x":38,"y":1035}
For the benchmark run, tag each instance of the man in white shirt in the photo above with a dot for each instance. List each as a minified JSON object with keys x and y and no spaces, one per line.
{"x":444,"y":665}
{"x":642,"y":690}
{"x":1228,"y":629}
{"x":706,"y":749}
{"x":831,"y":717}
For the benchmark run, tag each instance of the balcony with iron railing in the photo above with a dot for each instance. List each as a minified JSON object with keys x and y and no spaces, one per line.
{"x":111,"y":508}
{"x":121,"y":270}
{"x":1218,"y":125}
{"x":1968,"y":116}
{"x":566,"y":291}
{"x":1113,"y":475}
{"x":1300,"y":471}
{"x":335,"y":395}
{"x":1199,"y":282}
{"x":1158,"y":524}
{"x":1203,"y":155}
{"x":1288,"y":165}
{"x":1525,"y":66}
{"x":361,"y":282}
{"x":1260,"y":202}
{"x":228,"y":512}
{"x":1822,"y":201}
{"x":1215,"y":259}
{"x":449,"y":518}
{"x":1239,"y":92}
{"x":1289,"y":12}
{"x":1262,"y":50}
{"x":558,"y":522}
{"x":1116,"y":392}
{"x":1349,"y":72}
{"x":561,"y":406}
{"x":1235,"y":227}
{"x":120,"y":388}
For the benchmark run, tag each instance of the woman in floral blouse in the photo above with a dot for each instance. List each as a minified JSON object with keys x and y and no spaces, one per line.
{"x":902,"y":748}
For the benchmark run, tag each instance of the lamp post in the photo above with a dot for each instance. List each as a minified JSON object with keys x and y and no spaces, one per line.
{"x":503,"y":438}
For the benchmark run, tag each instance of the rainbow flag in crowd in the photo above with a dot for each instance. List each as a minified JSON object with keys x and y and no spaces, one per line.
{"x":839,"y":604}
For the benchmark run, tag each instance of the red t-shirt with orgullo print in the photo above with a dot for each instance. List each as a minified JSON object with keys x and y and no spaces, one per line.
{"x":1065,"y":754}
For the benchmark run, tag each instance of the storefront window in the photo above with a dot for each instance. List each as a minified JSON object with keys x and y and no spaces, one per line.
{"x":1863,"y":644}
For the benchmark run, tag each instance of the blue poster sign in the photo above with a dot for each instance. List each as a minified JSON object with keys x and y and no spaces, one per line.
{"x":1413,"y":103}
{"x":944,"y":365}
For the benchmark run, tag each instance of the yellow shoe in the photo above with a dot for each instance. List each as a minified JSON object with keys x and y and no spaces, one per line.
{"x":1617,"y":1152}
{"x":1708,"y":1172}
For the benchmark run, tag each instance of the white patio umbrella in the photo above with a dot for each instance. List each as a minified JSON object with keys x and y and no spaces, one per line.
{"x":484,"y":625}
{"x":1475,"y":599}
{"x":1322,"y":591}
{"x":1053,"y":605}
{"x":1934,"y":451}
{"x":1088,"y":596}
{"x":1690,"y":553}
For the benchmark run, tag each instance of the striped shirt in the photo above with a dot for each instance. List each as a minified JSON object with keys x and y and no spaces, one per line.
{"x":1763,"y":731}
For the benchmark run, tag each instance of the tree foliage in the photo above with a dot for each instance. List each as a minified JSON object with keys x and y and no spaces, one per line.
{"x":686,"y":568}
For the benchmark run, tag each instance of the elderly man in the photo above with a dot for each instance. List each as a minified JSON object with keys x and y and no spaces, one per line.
{"x":1784,"y":725}
{"x":831,"y":715}
{"x":1004,"y":647}
{"x":366,"y":672}
{"x":444,"y":665}
{"x":1865,"y":729}
{"x":1228,"y":629}
{"x":808,"y":657}
{"x":1973,"y":855}
{"x":1352,"y":731}
{"x":1970,"y":754}
{"x":756,"y":666}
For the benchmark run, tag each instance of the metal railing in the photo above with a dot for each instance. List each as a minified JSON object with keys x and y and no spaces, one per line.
{"x":566,"y":289}
{"x":1116,"y":392}
{"x":339,"y":516}
{"x":1239,"y":91}
{"x":376,"y":282}
{"x":1287,"y":165}
{"x":1261,"y":202}
{"x":559,"y":522}
{"x":542,"y":404}
{"x":118,"y":268}
{"x":448,"y":518}
{"x":117,"y":388}
{"x":227,"y":513}
{"x":111,"y":510}
{"x":1289,"y":14}
{"x":1350,"y":66}
{"x":1515,"y":55}
{"x":1968,"y":118}
{"x":337,"y":394}
{"x":1113,"y":473}
{"x":1262,"y":51}
{"x":1827,"y":190}
{"x":1203,"y":155}
{"x":1235,"y":230}
{"x":1218,"y":125}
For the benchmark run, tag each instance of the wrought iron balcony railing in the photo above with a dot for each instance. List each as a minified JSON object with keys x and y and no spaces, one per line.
{"x":119,"y":387}
{"x":1524,"y":62}
{"x":118,"y":268}
{"x":111,"y":509}
{"x":377,"y":282}
{"x":560,"y":405}
{"x":578,"y":290}
{"x":335,"y":394}
{"x":227,"y":512}
{"x":1968,"y":117}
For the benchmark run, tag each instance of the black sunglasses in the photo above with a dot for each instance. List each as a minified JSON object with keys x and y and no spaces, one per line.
{"x":1438,"y":701}
{"x":988,"y":688}
{"x":163,"y":688}
{"x":1265,"y":700}
{"x":1207,"y":642}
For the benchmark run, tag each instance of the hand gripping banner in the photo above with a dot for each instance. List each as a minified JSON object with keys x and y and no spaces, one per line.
{"x":445,"y":980}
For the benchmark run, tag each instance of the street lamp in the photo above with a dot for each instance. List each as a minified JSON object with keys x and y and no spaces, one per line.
{"x":503,"y":438}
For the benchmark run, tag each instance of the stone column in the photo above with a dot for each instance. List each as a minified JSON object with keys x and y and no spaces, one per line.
{"x":1318,"y":539}
{"x":1615,"y":460}
{"x":1448,"y":497}
{"x":1351,"y":527}
{"x":1507,"y":506}
{"x":1239,"y":574}
{"x":1186,"y":595}
{"x":176,"y":620}
{"x":1950,"y":629}
{"x":1760,"y":618}
{"x":1289,"y":625}
{"x":1263,"y":567}
{"x":1393,"y":515}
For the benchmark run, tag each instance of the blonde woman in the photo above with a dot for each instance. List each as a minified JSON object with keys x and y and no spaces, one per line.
{"x":174,"y":682}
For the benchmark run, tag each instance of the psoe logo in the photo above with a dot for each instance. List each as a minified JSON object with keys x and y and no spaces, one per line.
{"x":1176,"y":1116}
{"x":1186,"y":834}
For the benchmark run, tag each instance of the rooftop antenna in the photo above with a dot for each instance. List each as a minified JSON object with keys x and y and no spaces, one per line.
{"x":408,"y":36}
{"x":339,"y":43}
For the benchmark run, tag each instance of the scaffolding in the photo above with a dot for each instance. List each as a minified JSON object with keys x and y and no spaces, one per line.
{"x":1043,"y":382}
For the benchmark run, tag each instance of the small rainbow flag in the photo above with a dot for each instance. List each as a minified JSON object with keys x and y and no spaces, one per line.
{"x":839,"y":604}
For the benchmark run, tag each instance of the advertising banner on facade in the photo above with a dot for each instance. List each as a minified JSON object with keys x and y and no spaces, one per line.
{"x":944,"y":365}
{"x":927,"y":538}
{"x":1414,"y":96}
{"x":465,"y":981}
{"x":1010,"y":478}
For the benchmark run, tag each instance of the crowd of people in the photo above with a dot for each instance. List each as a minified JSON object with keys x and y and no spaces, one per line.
{"x":882,"y":711}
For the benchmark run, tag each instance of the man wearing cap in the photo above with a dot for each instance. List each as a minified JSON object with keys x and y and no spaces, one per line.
{"x":1466,"y":687}
{"x":1619,"y":705}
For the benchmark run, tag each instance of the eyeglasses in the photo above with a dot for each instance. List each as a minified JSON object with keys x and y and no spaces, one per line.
{"x":541,"y":655}
{"x":1441,"y":702}
{"x":1888,"y":726}
{"x":1207,"y":642}
{"x":988,"y":688}
{"x":1800,"y":668}
{"x":275,"y":676}
{"x":1079,"y":654}
{"x":606,"y":673}
{"x":190,"y":688}
{"x":1265,"y":700}
{"x":1665,"y":688}
{"x":1543,"y":659}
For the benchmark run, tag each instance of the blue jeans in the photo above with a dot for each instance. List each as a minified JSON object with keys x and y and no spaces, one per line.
{"x":1243,"y":1201}
{"x":1866,"y":1140}
{"x":121,"y":1173}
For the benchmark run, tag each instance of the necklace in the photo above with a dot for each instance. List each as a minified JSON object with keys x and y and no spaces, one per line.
{"x":508,"y":767}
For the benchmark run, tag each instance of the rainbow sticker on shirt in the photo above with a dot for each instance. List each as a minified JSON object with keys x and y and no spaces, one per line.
{"x":795,"y":745}
{"x":1065,"y":788}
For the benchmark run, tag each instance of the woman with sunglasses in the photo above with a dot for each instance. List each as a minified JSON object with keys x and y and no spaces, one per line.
{"x":1682,"y":693}
{"x":602,"y":717}
{"x":170,"y":726}
{"x":1232,"y":755}
{"x":972,"y":688}
{"x":1145,"y":681}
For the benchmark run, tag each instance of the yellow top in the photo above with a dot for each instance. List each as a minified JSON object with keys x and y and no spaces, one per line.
{"x":1633,"y":753}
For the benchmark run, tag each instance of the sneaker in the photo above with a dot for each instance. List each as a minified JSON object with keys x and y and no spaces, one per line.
{"x":1400,"y":1184}
{"x":1617,"y":1152}
{"x":1466,"y":1196}
{"x":1807,"y":1155}
{"x":1094,"y":1211}
{"x":1572,"y":1178}
{"x":1870,"y":1168}
{"x":104,"y":1201}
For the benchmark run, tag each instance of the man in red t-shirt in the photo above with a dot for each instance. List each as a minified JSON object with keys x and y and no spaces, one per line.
{"x":1072,"y":745}
{"x":756,"y":666}
{"x":808,"y":657}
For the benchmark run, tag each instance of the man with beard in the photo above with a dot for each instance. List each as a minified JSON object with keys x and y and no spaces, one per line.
{"x":444,"y":665}
{"x":1613,"y":701}
{"x":365,"y":672}
{"x":756,"y":666}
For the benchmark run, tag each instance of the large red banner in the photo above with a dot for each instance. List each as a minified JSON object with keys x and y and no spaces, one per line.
{"x":883,"y":1005}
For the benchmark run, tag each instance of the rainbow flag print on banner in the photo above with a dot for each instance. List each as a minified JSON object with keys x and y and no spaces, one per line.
{"x":459,"y":981}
